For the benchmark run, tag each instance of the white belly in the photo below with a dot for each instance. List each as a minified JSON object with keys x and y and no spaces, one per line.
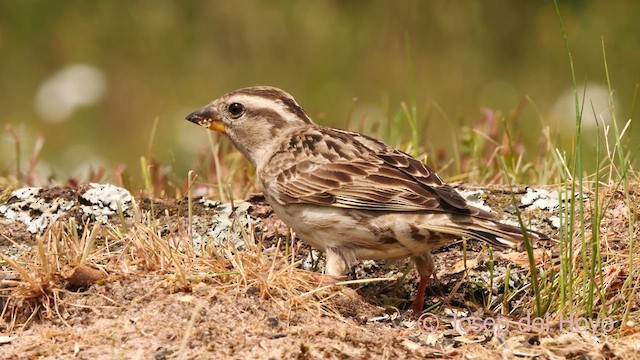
{"x":356,"y":231}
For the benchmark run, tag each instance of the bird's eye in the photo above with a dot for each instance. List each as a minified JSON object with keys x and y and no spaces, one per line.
{"x":236,"y":109}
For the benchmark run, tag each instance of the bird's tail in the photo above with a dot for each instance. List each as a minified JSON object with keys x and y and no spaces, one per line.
{"x":490,"y":231}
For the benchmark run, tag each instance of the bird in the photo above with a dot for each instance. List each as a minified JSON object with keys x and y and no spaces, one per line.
{"x":347,"y":194}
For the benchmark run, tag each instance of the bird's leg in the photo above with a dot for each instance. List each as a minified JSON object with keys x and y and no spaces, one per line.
{"x":425,"y":266}
{"x":336,"y":266}
{"x":418,"y":302}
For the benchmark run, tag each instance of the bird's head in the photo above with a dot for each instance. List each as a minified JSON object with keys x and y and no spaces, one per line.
{"x":253,"y":118}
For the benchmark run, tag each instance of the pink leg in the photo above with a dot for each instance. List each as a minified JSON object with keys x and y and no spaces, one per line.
{"x":418,"y":302}
{"x":425,"y":267}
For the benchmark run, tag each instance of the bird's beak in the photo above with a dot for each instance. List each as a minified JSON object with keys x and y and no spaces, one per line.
{"x":207,"y":117}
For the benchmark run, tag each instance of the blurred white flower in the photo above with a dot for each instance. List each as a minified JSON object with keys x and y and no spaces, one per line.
{"x":595,"y":109}
{"x":69,"y":88}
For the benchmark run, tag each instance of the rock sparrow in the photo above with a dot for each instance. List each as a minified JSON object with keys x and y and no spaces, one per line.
{"x":345,"y":193}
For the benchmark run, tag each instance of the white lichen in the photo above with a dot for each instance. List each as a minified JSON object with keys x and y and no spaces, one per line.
{"x":314,"y":261}
{"x":547,"y":200}
{"x":475,"y":198}
{"x":544,"y":199}
{"x":226,"y":225}
{"x":555,"y":221}
{"x":209,"y":203}
{"x":26,"y":206}
{"x":104,"y":200}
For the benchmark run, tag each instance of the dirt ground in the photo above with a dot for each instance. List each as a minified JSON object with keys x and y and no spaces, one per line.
{"x":150,"y":315}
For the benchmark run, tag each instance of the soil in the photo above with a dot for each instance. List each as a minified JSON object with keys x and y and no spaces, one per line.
{"x":150,"y":315}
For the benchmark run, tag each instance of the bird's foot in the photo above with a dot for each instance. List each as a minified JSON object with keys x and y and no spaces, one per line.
{"x":325,"y":279}
{"x":417,"y":306}
{"x":418,"y":303}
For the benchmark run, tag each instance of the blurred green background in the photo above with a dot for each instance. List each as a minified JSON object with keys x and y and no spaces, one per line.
{"x":91,"y":76}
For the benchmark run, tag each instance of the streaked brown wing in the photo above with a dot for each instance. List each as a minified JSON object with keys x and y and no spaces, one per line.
{"x":337,"y":168}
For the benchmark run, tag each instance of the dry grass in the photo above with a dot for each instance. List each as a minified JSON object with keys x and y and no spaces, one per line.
{"x":72,"y":267}
{"x":67,"y":259}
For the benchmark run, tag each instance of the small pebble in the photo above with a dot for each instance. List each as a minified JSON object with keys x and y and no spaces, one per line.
{"x":273,"y":322}
{"x":510,"y":209}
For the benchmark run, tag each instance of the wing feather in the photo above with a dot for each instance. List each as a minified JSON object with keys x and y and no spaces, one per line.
{"x":338,"y":168}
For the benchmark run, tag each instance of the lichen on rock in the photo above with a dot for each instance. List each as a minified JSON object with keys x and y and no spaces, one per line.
{"x":226,"y":223}
{"x":102,"y":201}
{"x":26,"y":205}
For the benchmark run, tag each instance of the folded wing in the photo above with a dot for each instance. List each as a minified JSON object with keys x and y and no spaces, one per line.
{"x":331,"y":167}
